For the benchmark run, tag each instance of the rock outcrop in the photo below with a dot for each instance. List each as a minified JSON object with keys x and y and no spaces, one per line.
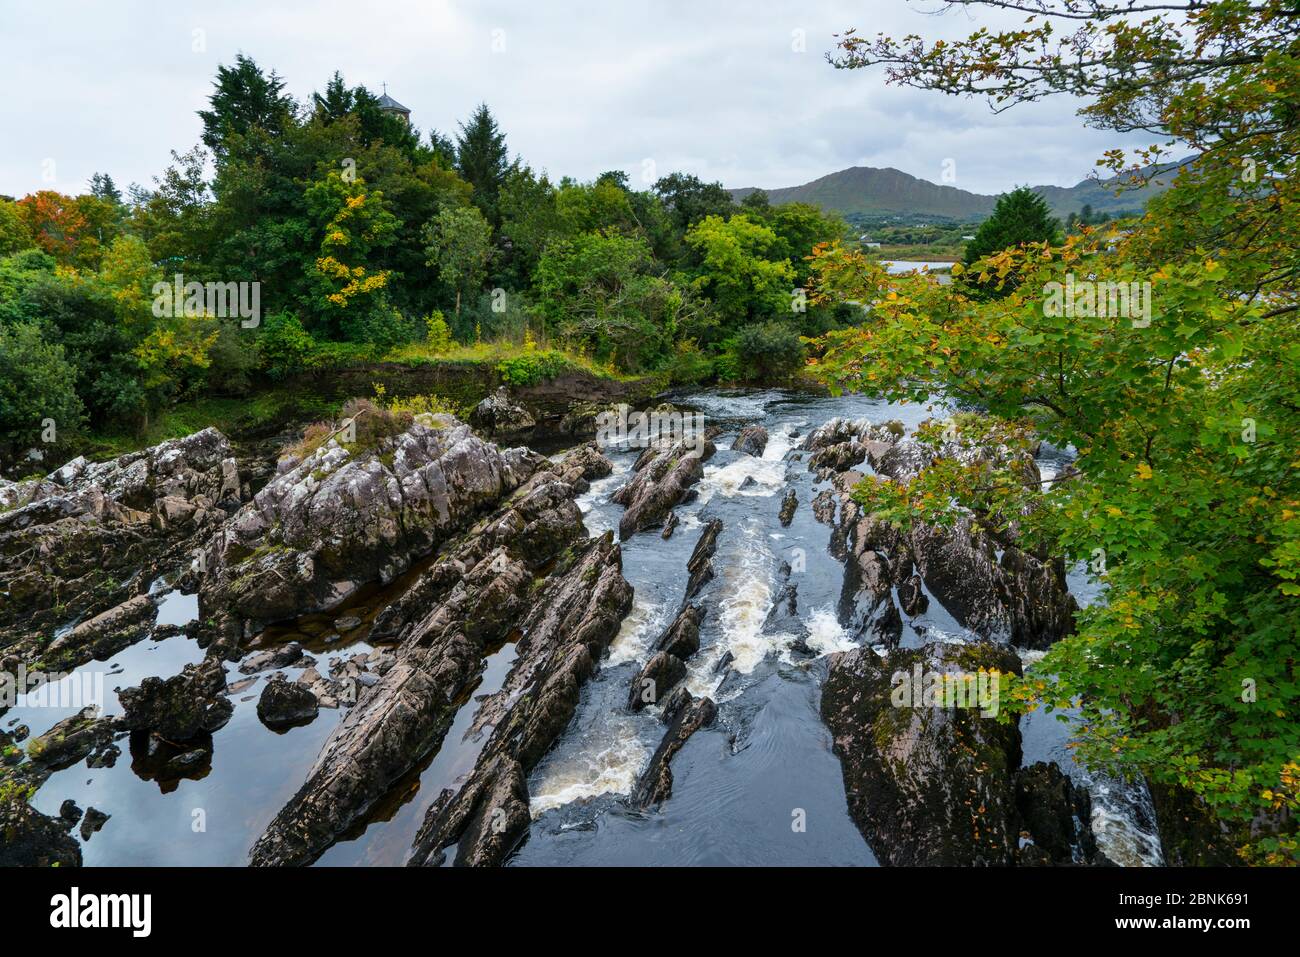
{"x":90,"y":535}
{"x":662,"y":477}
{"x":525,"y":572}
{"x":752,"y":440}
{"x":933,"y":777}
{"x":181,"y":707}
{"x":336,"y":520}
{"x":995,"y":588}
{"x":29,"y":838}
{"x":499,"y":414}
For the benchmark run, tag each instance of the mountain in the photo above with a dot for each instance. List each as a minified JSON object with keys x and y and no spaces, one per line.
{"x":866,"y":191}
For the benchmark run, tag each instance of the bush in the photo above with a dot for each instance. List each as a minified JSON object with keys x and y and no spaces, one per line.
{"x":285,"y":346}
{"x":689,"y":364}
{"x":37,"y":389}
{"x":766,"y":351}
{"x":534,"y":367}
{"x":437,"y":333}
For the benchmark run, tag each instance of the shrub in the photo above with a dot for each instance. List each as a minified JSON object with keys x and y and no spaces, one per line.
{"x":689,"y":364}
{"x":534,"y":367}
{"x":437,"y":334}
{"x":285,"y":346}
{"x":37,"y":388}
{"x":766,"y":351}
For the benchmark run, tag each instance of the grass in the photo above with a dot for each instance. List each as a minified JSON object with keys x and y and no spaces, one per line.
{"x":496,"y":353}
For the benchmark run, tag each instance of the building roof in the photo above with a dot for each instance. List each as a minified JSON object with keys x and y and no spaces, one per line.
{"x":386,"y":102}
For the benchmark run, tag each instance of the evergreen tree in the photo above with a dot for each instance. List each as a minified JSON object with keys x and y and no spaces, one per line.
{"x":481,"y":159}
{"x":103,"y":187}
{"x":1020,"y":216}
{"x":245,"y":100}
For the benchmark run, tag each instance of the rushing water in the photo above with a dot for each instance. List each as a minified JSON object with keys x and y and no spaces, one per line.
{"x":760,"y":786}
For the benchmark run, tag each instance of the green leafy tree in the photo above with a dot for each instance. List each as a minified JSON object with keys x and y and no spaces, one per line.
{"x":1186,"y":505}
{"x":1020,"y":217}
{"x":37,"y":391}
{"x":14,"y":234}
{"x":742,"y":268}
{"x":247,"y":105}
{"x":459,"y":245}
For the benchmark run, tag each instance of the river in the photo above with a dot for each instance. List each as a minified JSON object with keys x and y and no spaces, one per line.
{"x":760,"y":786}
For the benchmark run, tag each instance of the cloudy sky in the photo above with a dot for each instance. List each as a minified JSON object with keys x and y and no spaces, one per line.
{"x":718,"y":88}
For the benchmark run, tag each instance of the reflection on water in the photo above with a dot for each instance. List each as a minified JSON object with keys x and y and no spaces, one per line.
{"x":738,"y":785}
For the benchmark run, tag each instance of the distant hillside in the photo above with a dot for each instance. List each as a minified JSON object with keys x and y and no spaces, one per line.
{"x":867,"y":191}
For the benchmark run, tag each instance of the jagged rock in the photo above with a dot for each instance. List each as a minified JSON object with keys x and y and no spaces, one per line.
{"x":283,"y":703}
{"x":911,"y":597}
{"x":87,"y":536}
{"x":682,"y":637}
{"x":670,"y":526}
{"x":323,"y":528}
{"x":92,"y":822}
{"x":106,"y":633}
{"x":499,"y":414}
{"x":688,"y":716}
{"x":1056,"y":816}
{"x":700,"y":564}
{"x":582,"y":417}
{"x":71,"y":740}
{"x":789,"y":502}
{"x":69,"y":813}
{"x":280,"y":657}
{"x":660,"y":481}
{"x":823,"y":506}
{"x":483,"y":591}
{"x":926,"y":785}
{"x":180,"y":707}
{"x":29,"y":838}
{"x":656,"y":678}
{"x":752,"y":440}
{"x":568,"y":630}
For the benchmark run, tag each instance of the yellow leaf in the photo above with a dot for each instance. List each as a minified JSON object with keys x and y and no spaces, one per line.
{"x":1144,"y":471}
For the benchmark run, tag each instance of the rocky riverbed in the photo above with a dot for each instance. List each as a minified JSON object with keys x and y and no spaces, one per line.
{"x":444,"y":648}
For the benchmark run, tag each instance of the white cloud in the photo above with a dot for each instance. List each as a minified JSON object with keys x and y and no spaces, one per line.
{"x":713,"y":88}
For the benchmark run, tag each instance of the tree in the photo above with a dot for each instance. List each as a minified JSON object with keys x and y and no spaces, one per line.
{"x":689,"y":199}
{"x":350,"y":290}
{"x":742,"y":268}
{"x":482,"y":160}
{"x":1183,"y":412}
{"x":54,"y":222}
{"x":247,"y":104}
{"x":103,"y":187}
{"x":37,"y":391}
{"x":1020,"y":217}
{"x":459,"y":244}
{"x":14,"y":234}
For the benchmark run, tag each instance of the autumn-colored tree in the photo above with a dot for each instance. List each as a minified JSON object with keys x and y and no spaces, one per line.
{"x":55,"y":222}
{"x":1181,"y":404}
